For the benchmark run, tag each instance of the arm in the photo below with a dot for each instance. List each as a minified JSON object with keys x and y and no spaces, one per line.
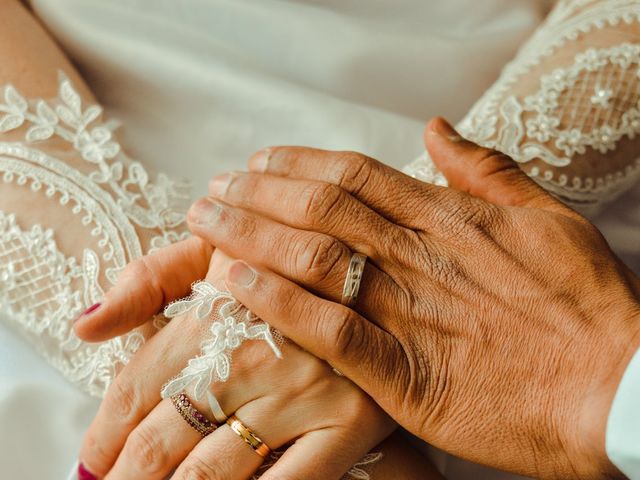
{"x":567,"y":107}
{"x":506,"y":120}
{"x":496,"y":326}
{"x":593,"y":46}
{"x":74,"y":209}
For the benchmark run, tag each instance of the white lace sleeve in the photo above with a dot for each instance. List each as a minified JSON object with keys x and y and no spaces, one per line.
{"x":568,"y":106}
{"x":74,"y":210}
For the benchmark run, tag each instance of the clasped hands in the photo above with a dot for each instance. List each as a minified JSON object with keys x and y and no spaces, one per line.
{"x":492,"y":321}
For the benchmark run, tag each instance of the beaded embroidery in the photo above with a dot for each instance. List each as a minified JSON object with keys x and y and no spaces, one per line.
{"x":583,"y":110}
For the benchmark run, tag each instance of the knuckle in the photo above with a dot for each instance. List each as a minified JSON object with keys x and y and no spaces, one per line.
{"x":279,"y":299}
{"x":145,"y":449}
{"x":141,"y":268}
{"x":356,"y":171}
{"x":121,"y":401}
{"x":243,"y":226}
{"x":148,"y":269}
{"x":197,"y":469}
{"x":320,"y":200}
{"x":319,"y":257}
{"x":492,"y":161}
{"x":344,"y":336}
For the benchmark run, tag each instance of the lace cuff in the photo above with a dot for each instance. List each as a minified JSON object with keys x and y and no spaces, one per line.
{"x":568,"y":106}
{"x":64,"y":172}
{"x":231,"y":325}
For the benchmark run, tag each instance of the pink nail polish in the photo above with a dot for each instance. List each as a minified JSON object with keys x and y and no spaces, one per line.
{"x":83,"y":473}
{"x":89,"y":310}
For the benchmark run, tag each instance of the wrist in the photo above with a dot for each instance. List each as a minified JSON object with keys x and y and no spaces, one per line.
{"x":615,"y":350}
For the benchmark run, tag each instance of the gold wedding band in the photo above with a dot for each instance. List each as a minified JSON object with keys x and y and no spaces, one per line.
{"x":353,"y":280}
{"x":248,"y":436}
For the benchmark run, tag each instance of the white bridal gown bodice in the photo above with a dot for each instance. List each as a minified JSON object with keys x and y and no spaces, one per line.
{"x":199,"y":85}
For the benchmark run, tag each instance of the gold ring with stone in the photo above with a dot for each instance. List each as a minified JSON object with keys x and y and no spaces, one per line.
{"x":194,"y":417}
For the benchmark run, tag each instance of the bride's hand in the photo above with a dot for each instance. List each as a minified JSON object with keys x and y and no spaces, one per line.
{"x":499,"y":330}
{"x":297,"y":399}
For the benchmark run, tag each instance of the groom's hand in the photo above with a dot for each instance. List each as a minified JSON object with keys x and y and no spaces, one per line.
{"x":492,"y":320}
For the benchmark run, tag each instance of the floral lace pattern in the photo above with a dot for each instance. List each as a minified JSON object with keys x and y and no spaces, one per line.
{"x":567,"y":105}
{"x":42,"y":290}
{"x":233,"y":325}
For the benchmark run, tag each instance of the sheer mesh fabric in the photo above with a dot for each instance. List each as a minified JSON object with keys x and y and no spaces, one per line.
{"x":567,"y":108}
{"x":74,"y":210}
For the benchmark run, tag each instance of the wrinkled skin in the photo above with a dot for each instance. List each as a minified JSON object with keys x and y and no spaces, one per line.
{"x":497,"y":331}
{"x":492,"y":321}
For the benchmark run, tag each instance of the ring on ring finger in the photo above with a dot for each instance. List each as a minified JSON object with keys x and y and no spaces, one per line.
{"x":353,"y":279}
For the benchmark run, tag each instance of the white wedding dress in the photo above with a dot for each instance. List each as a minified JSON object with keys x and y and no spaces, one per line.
{"x":198,"y":86}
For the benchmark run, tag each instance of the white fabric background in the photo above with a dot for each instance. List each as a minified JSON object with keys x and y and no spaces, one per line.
{"x":199,"y":85}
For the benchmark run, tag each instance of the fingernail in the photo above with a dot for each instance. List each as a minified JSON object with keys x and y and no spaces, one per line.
{"x":89,"y":310}
{"x":241,"y":274}
{"x":442,"y":128}
{"x":205,"y":212}
{"x":260,"y":161}
{"x":84,"y":474}
{"x":218,"y":185}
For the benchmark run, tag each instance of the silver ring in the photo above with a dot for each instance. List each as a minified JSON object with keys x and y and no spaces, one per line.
{"x":353,"y":280}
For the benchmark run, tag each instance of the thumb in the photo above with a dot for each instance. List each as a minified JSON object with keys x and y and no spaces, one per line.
{"x":484,"y":173}
{"x":144,"y":287}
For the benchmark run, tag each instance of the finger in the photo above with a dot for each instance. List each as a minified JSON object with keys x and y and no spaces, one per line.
{"x":386,"y":190}
{"x":156,"y":446}
{"x":136,"y":391}
{"x":308,"y":205}
{"x":144,"y":287}
{"x":330,"y":331}
{"x":482,"y":172}
{"x":315,"y":260}
{"x":223,"y":455}
{"x":318,"y":455}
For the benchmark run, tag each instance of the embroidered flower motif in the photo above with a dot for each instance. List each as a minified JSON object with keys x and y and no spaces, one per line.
{"x":114,"y":197}
{"x":229,"y":333}
{"x":571,"y":142}
{"x":542,"y":127}
{"x":542,"y":103}
{"x":235,"y":325}
{"x":96,"y":145}
{"x":583,"y":94}
{"x":604,"y":139}
{"x":602,"y":97}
